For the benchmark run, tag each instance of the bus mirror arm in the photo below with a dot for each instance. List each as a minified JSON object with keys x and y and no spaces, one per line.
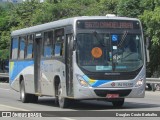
{"x":148,"y":42}
{"x":147,"y":46}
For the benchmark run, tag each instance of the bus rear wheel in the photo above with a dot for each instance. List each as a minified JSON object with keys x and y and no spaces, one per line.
{"x":25,"y":97}
{"x":62,"y":101}
{"x":118,"y":102}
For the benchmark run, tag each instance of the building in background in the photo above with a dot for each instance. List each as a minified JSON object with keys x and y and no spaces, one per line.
{"x":18,"y":1}
{"x":39,"y":0}
{"x":13,"y":1}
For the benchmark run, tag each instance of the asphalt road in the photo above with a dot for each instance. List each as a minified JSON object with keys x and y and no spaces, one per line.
{"x":10,"y":101}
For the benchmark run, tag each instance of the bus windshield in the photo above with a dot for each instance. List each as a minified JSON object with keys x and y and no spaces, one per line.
{"x":109,"y":51}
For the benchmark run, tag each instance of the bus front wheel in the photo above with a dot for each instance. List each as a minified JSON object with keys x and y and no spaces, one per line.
{"x":62,"y":101}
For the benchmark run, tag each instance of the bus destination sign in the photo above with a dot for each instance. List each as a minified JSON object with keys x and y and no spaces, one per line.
{"x":107,"y":24}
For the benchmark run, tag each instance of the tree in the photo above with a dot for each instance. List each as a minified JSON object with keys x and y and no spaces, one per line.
{"x":129,"y":8}
{"x":4,"y":30}
{"x":22,"y":14}
{"x":149,"y":4}
{"x":151,"y":22}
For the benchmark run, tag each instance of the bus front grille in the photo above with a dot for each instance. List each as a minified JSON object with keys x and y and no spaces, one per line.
{"x":103,"y":93}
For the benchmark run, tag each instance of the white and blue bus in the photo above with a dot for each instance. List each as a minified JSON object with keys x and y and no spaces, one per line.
{"x":89,"y":57}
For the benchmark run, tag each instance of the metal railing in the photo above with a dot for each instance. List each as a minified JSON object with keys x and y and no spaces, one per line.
{"x":153,"y":83}
{"x":4,"y":75}
{"x":153,"y":80}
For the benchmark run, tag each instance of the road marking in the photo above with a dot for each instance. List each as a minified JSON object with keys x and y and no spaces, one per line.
{"x":4,"y":89}
{"x":19,"y":109}
{"x":65,"y":118}
{"x":152,"y":93}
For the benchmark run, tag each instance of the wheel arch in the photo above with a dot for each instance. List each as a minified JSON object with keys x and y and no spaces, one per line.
{"x":57,"y":81}
{"x":20,"y":80}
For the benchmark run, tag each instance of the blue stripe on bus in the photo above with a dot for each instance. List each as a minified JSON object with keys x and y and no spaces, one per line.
{"x":16,"y":67}
{"x":95,"y":83}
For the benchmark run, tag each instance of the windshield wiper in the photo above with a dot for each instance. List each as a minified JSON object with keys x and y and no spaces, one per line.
{"x":123,"y":38}
{"x":98,"y":39}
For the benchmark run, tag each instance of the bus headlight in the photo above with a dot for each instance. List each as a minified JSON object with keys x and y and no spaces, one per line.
{"x":139,"y":82}
{"x":82,"y":81}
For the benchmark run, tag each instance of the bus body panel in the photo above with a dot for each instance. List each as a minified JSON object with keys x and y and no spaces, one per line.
{"x":81,"y":92}
{"x":53,"y":67}
{"x":50,"y":69}
{"x":24,"y":69}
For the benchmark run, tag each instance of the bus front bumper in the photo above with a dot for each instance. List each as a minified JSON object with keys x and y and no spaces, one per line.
{"x":97,"y":93}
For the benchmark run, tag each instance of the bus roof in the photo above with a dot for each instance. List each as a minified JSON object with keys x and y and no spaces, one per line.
{"x":63,"y":22}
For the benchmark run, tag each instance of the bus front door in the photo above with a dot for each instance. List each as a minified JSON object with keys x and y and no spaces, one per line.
{"x":69,"y":67}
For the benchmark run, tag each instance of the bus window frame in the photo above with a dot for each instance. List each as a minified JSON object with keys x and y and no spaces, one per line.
{"x":62,"y":53}
{"x":26,"y":53}
{"x":25,"y":40}
{"x":11,"y":48}
{"x":43,"y":43}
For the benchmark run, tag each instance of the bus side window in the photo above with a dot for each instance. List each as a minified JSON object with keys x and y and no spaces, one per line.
{"x":59,"y":42}
{"x":14,"y":49}
{"x":29,"y":47}
{"x":48,"y":44}
{"x":22,"y":47}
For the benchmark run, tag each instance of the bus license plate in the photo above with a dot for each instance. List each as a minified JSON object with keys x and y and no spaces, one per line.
{"x":112,"y":95}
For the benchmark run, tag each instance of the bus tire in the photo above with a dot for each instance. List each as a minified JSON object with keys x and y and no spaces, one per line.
{"x":62,"y":101}
{"x":118,"y":103}
{"x":23,"y":95}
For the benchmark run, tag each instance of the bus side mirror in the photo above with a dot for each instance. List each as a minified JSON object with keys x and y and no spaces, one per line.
{"x":147,"y":46}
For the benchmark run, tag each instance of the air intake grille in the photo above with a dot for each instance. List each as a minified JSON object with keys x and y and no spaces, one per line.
{"x":103,"y":93}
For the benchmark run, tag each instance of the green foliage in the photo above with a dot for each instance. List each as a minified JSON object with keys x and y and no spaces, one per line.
{"x":154,"y":59}
{"x":22,"y":14}
{"x":109,"y":6}
{"x":5,"y":37}
{"x":4,"y":7}
{"x":4,"y":53}
{"x":4,"y":44}
{"x":130,"y":8}
{"x":148,"y":4}
{"x":151,"y":21}
{"x":3,"y":19}
{"x":16,"y":16}
{"x":4,"y":30}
